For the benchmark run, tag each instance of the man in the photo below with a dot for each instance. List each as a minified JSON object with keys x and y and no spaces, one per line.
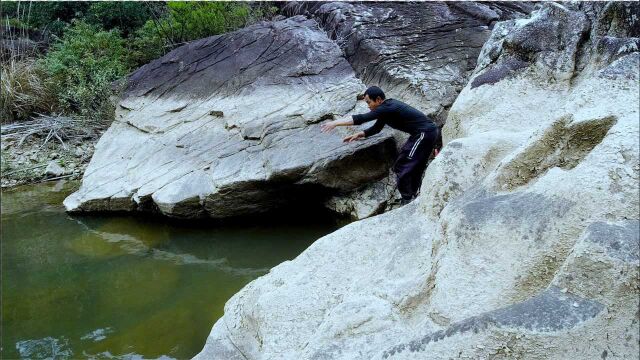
{"x":412,"y":160}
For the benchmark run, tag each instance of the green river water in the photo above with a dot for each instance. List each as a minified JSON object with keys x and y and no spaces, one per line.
{"x":126,"y":287}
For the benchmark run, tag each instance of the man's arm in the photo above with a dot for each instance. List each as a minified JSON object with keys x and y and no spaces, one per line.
{"x":328,"y":126}
{"x":376,"y":128}
{"x":357,"y":119}
{"x":363,"y":118}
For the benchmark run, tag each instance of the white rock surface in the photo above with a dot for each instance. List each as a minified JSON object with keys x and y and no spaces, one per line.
{"x":524,"y":244}
{"x":229,"y":125}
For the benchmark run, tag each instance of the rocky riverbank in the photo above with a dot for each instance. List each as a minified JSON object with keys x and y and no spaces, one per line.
{"x":31,"y":161}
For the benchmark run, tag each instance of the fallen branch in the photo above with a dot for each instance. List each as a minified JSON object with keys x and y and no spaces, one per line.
{"x":59,"y":127}
{"x":56,"y":178}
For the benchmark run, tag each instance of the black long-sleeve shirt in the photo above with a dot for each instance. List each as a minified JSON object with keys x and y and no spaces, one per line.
{"x":396,"y":114}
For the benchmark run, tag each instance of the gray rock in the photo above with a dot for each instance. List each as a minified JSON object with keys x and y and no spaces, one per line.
{"x":422,"y":53}
{"x":620,"y":241}
{"x":79,"y":151}
{"x":551,"y":310}
{"x":368,"y":201}
{"x":273,"y":83}
{"x":53,"y":169}
{"x":524,"y":241}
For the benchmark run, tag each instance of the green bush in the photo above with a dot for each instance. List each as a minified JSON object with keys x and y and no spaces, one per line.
{"x":127,"y":16}
{"x":83,"y":66}
{"x":147,"y":43}
{"x":187,"y":21}
{"x":196,"y":20}
{"x":99,"y":43}
{"x":45,"y":15}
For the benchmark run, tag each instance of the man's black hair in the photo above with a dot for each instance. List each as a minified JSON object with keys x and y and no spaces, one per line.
{"x":374,"y":93}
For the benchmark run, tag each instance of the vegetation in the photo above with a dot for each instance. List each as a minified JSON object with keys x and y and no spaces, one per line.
{"x":82,"y":66}
{"x":24,"y":91}
{"x":65,"y":57}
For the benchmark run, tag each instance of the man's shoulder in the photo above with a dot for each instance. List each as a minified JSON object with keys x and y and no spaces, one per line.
{"x":391,"y":104}
{"x":397,"y":103}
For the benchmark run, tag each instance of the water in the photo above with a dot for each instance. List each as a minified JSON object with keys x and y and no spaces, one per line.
{"x":126,"y":287}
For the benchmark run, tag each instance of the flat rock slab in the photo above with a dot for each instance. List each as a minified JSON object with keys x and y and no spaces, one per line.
{"x":229,"y":125}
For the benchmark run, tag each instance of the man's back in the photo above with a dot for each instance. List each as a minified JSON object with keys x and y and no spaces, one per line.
{"x":398,"y":115}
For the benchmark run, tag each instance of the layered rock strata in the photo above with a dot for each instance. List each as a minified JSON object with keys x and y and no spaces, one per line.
{"x":229,"y":125}
{"x":422,"y":53}
{"x":523,"y":245}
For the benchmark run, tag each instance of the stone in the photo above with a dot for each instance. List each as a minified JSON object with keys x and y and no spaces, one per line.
{"x":54,"y":169}
{"x":422,"y":53}
{"x":523,"y":243}
{"x":247,"y":107}
{"x":368,"y":201}
{"x":79,"y":152}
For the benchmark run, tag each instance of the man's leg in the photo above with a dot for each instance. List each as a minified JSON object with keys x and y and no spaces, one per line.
{"x":411,"y":163}
{"x":425,"y":149}
{"x":404,"y":165}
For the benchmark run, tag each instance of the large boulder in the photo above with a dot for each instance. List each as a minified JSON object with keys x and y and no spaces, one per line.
{"x":229,"y":125}
{"x":524,"y":240}
{"x":419,"y":52}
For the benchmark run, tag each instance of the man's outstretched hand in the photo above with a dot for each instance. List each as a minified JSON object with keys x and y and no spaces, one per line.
{"x":328,"y":126}
{"x":354,"y":137}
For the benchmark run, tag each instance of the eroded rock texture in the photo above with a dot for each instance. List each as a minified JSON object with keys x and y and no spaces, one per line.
{"x":524,"y":241}
{"x":419,"y":52}
{"x":228,"y":125}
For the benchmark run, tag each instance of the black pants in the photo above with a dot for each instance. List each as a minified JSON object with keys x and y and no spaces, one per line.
{"x":412,"y":162}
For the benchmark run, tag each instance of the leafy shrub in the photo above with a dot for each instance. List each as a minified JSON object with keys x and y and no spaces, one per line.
{"x":195,"y":20}
{"x":127,"y":16}
{"x":148,"y":43}
{"x":82,"y":67}
{"x":50,"y":16}
{"x":187,"y":21}
{"x":77,"y":73}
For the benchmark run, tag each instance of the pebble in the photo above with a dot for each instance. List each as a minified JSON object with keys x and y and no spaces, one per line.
{"x":53,"y":155}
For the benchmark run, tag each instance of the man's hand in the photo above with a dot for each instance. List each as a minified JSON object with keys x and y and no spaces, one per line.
{"x":328,"y":126}
{"x":354,"y":137}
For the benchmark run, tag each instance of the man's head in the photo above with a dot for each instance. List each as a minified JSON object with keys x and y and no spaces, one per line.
{"x":374,"y":96}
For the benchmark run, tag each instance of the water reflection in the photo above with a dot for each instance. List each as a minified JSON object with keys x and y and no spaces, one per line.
{"x":124,"y":287}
